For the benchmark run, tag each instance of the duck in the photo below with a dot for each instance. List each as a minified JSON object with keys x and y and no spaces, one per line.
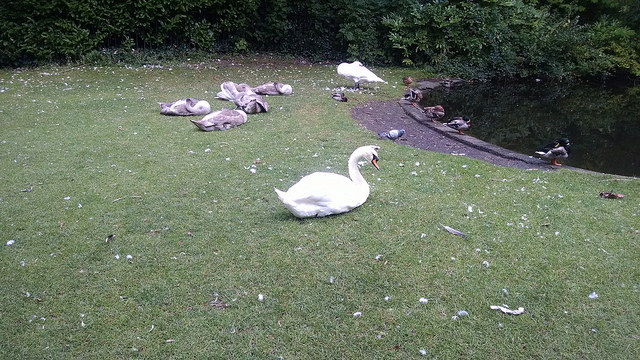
{"x":273,"y":88}
{"x":556,"y":150}
{"x":392,"y":135}
{"x":221,"y":120}
{"x":339,"y":97}
{"x":322,"y":193}
{"x":358,"y":73}
{"x":185,"y":107}
{"x":459,"y":123}
{"x":407,"y":80}
{"x":433,"y":112}
{"x":413,"y":95}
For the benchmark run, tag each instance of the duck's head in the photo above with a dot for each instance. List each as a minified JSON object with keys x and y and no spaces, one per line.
{"x":466,"y":119}
{"x":564,"y":142}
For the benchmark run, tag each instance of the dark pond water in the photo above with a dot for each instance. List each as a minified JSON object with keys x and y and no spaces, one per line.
{"x":602,"y":123}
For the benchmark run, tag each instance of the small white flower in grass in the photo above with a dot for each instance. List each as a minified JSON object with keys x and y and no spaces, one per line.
{"x":11,"y":242}
{"x":260,"y":297}
{"x":357,"y":313}
{"x":593,"y":295}
{"x":424,"y":300}
{"x":423,"y":352}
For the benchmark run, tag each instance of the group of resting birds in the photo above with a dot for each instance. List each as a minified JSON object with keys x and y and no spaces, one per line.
{"x":321,"y":193}
{"x":248,"y":100}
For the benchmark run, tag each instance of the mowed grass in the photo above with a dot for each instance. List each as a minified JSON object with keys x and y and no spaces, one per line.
{"x":206,"y":236}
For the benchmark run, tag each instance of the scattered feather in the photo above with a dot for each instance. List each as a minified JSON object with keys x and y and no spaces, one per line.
{"x":424,"y":300}
{"x":506,"y":310}
{"x":593,"y":295}
{"x":10,"y":242}
{"x":462,"y":313}
{"x":423,"y":352}
{"x":109,"y":238}
{"x":485,"y":264}
{"x":260,"y":297}
{"x":357,"y":313}
{"x":454,"y":231}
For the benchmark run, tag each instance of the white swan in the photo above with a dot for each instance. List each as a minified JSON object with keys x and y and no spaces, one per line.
{"x":321,"y":193}
{"x":185,"y":107}
{"x":358,"y":73}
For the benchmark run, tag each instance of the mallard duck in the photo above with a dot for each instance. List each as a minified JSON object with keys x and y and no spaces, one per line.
{"x":413,"y":95}
{"x":185,"y":107}
{"x":459,"y":123}
{"x":433,"y":112}
{"x":392,"y":134}
{"x":556,"y":150}
{"x":221,"y":120}
{"x":407,"y":80}
{"x":339,"y":97}
{"x":321,"y":193}
{"x":358,"y":73}
{"x":273,"y":88}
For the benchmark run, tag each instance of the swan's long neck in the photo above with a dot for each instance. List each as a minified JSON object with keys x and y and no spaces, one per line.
{"x":355,"y":175}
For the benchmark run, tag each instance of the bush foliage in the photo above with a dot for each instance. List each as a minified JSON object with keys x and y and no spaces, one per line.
{"x":487,"y":38}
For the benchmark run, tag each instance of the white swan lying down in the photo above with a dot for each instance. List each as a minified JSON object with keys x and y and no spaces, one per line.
{"x":221,"y":120}
{"x":321,"y":193}
{"x":185,"y":107}
{"x":358,"y":73}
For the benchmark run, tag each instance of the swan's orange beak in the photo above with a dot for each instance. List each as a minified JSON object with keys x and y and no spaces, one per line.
{"x":375,"y":162}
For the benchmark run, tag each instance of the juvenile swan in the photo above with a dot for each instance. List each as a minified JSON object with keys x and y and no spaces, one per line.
{"x":321,"y":193}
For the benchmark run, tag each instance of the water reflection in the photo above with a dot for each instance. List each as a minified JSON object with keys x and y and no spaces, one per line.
{"x":603,"y":124}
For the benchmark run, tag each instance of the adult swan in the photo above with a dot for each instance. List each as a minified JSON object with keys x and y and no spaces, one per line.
{"x":321,"y":193}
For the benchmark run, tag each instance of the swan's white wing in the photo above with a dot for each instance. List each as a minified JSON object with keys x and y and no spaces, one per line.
{"x":321,"y":194}
{"x":357,"y":72}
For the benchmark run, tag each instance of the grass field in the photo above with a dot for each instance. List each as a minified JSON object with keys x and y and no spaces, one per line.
{"x":85,"y":153}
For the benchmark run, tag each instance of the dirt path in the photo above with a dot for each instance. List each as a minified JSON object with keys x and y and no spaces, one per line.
{"x":433,"y":136}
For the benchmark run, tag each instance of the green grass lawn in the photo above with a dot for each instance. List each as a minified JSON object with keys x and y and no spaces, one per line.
{"x":206,"y":236}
